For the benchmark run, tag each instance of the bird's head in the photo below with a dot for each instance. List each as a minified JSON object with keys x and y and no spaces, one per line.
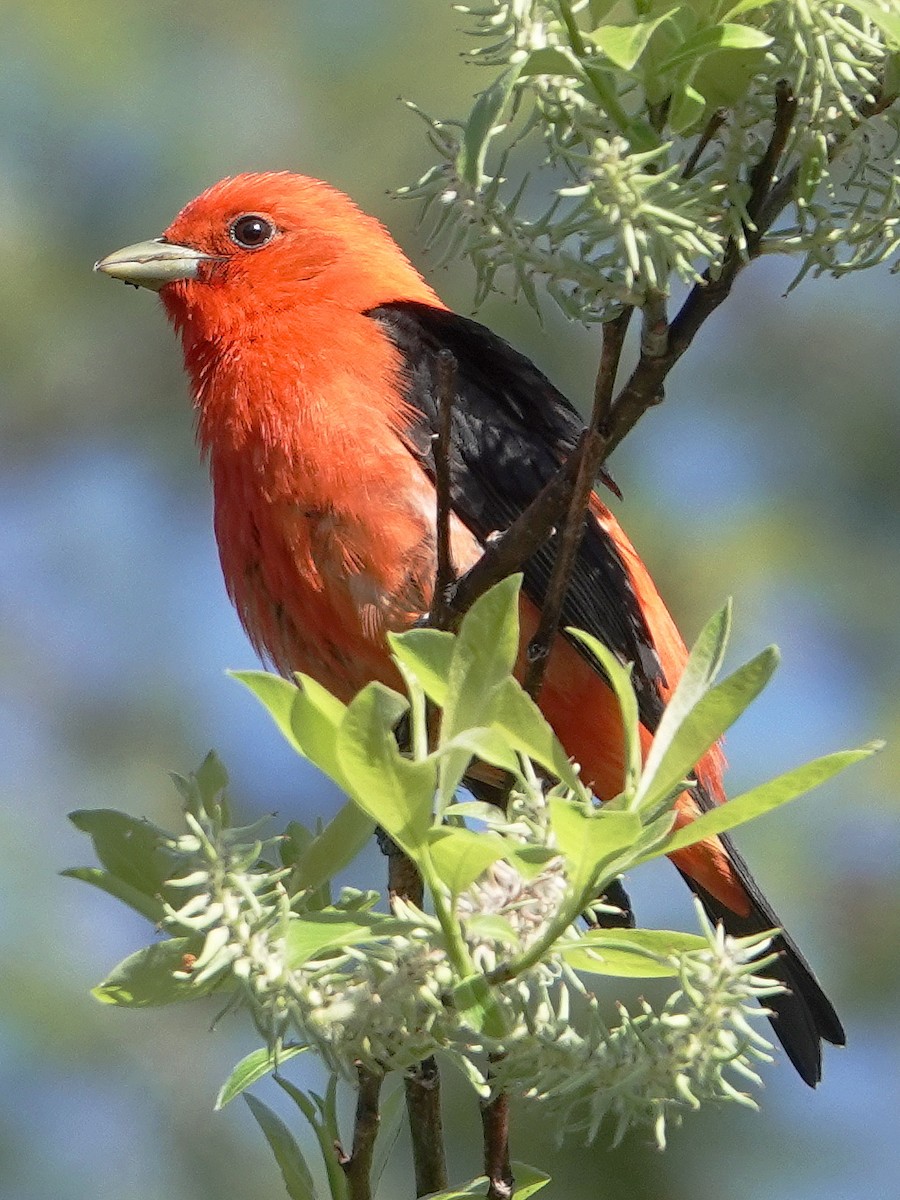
{"x":256,"y":245}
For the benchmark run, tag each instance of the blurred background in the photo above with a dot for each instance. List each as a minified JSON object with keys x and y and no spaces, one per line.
{"x":770,"y":474}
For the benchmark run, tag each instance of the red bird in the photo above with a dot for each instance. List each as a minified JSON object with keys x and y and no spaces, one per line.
{"x":311,"y":343}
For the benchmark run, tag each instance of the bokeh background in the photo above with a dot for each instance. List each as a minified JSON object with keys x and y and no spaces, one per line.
{"x":770,"y":474}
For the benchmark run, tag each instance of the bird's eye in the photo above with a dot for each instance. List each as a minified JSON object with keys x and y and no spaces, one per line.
{"x":251,"y":231}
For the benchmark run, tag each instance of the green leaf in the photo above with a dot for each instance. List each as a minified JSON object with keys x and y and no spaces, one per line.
{"x":454,"y":758}
{"x":713,"y":38}
{"x":211,"y":778}
{"x":623,"y":45}
{"x":461,"y":855}
{"x":315,"y":933}
{"x":702,"y":727}
{"x":291,"y":1163}
{"x":529,"y":861}
{"x":632,"y":953}
{"x":477,"y":1006}
{"x":427,"y":653}
{"x":492,"y":926}
{"x":484,"y":654}
{"x":697,"y":713}
{"x":331,"y":850}
{"x":147,"y":906}
{"x":619,"y":678}
{"x":527,"y":730}
{"x":703,"y":664}
{"x":686,"y":109}
{"x":391,"y":1116}
{"x":253,"y":1068}
{"x":552,"y":60}
{"x":396,"y":793}
{"x":146,"y":978}
{"x":529,"y":1180}
{"x":486,"y":114}
{"x":306,"y":713}
{"x":132,"y":850}
{"x":765,"y":798}
{"x":591,"y":840}
{"x":322,"y":1120}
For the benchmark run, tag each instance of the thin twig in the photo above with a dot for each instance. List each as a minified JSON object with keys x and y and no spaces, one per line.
{"x":594,"y":449}
{"x":445,"y":573}
{"x":763,"y":173}
{"x":358,"y":1167}
{"x":644,"y":388}
{"x":507,"y":552}
{"x":495,"y":1128}
{"x":712,"y":127}
{"x":423,"y":1102}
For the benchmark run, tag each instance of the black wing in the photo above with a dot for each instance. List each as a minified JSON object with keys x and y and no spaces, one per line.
{"x":511,"y":429}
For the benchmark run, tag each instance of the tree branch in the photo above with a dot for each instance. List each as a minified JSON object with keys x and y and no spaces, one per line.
{"x":358,"y":1167}
{"x":495,"y":1127}
{"x":593,"y":450}
{"x":423,"y":1104}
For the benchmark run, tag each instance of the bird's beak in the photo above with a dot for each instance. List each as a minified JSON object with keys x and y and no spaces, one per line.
{"x":153,"y":264}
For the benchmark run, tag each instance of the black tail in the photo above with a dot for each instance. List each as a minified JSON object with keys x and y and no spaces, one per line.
{"x":802,"y":1016}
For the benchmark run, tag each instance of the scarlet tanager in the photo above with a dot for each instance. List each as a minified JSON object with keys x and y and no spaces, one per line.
{"x":312,"y":344}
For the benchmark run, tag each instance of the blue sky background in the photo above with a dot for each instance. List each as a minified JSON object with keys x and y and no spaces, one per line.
{"x":770,"y":474}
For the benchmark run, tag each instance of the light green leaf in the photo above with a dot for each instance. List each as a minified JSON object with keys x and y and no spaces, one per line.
{"x":146,"y":978}
{"x":211,"y":778}
{"x":316,"y":933}
{"x":527,"y":730}
{"x":253,"y":1068}
{"x":148,"y":906}
{"x":132,"y":850}
{"x":291,"y":1163}
{"x":552,"y":60}
{"x":461,"y":855}
{"x":454,"y":758}
{"x":276,"y":695}
{"x":529,"y":861}
{"x":322,"y":1119}
{"x":391,"y":1117}
{"x":395,"y":792}
{"x":623,"y":45}
{"x":337,"y":845}
{"x":765,"y":798}
{"x":619,"y":678}
{"x":715,"y":38}
{"x":591,"y":840}
{"x":529,"y":1180}
{"x":484,"y":654}
{"x":492,"y":927}
{"x":702,"y":727}
{"x":686,"y":109}
{"x":306,"y":713}
{"x":476,"y":1005}
{"x":427,"y":653}
{"x":632,"y":953}
{"x":744,"y":6}
{"x":486,"y":115}
{"x":703,"y":664}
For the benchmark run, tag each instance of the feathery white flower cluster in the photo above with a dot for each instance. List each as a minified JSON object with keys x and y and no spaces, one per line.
{"x":616,"y":115}
{"x":653,"y":1067}
{"x":387,"y":1001}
